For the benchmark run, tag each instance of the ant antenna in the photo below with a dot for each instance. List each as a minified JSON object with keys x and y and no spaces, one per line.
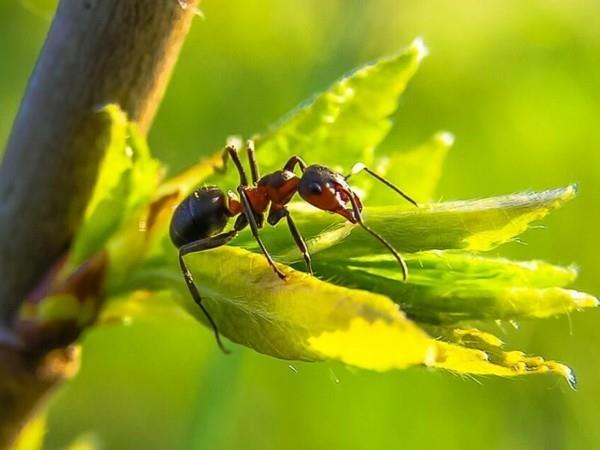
{"x":393,"y":251}
{"x":359,"y":167}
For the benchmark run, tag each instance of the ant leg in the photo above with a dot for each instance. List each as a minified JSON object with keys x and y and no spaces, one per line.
{"x":293,"y":161}
{"x":249,"y":213}
{"x":252,"y":159}
{"x":360,"y":221}
{"x":230,"y":152}
{"x":299,"y":242}
{"x":198,"y":246}
{"x":359,"y":167}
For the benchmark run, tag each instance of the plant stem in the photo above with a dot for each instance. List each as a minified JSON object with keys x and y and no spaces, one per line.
{"x":96,"y":52}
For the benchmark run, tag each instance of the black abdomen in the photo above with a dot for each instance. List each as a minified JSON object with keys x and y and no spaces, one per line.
{"x":202,"y":214}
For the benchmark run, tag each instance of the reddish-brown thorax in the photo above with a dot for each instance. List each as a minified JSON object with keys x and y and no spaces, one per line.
{"x":277,"y":189}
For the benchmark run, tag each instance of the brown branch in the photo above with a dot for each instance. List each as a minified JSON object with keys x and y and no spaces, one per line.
{"x":96,"y":52}
{"x":23,"y":383}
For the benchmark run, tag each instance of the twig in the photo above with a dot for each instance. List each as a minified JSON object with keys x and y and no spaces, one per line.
{"x":96,"y":52}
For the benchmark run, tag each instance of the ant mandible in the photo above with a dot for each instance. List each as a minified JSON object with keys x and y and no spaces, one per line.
{"x":199,"y":220}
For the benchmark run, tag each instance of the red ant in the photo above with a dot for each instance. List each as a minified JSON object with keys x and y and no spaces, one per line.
{"x":199,"y":220}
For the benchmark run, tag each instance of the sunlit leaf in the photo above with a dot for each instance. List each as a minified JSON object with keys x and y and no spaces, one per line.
{"x":32,"y":435}
{"x":105,"y":209}
{"x":145,"y":171}
{"x":344,"y":124}
{"x":127,"y":179}
{"x":146,"y":305}
{"x":357,"y":309}
{"x":468,"y":225}
{"x":302,"y":317}
{"x":476,"y":225}
{"x":474,"y":352}
{"x":460,"y":287}
{"x":466,"y":270}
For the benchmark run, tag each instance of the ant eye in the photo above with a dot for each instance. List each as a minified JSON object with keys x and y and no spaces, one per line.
{"x":315,"y":188}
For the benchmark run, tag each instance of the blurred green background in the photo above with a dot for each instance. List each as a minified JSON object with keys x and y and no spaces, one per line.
{"x":517,"y":82}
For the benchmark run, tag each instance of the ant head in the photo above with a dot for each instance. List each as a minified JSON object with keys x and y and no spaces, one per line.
{"x":327,"y":190}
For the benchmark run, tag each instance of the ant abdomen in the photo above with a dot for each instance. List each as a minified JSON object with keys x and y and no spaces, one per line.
{"x":200,"y":215}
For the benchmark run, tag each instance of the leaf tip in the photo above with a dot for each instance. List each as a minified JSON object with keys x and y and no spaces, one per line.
{"x":574,"y":186}
{"x":112,"y":110}
{"x":583,"y":300}
{"x":445,"y":138}
{"x":571,"y":378}
{"x":566,"y":193}
{"x":572,"y":189}
{"x":566,"y":372}
{"x":419,"y":48}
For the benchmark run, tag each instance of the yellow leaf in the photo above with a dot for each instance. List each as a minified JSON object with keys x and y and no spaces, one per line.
{"x":303,"y":317}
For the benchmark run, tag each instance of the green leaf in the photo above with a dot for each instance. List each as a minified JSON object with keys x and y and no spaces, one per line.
{"x":31,"y":436}
{"x":475,"y":225}
{"x":127,"y":179}
{"x":302,"y":317}
{"x":462,"y":360}
{"x":475,"y":352}
{"x":116,"y":161}
{"x":104,"y":211}
{"x":450,"y":288}
{"x":344,"y":124}
{"x":468,"y":270}
{"x":145,"y":171}
{"x":364,"y":315}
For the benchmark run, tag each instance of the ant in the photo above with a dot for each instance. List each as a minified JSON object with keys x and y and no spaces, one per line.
{"x":199,"y":220}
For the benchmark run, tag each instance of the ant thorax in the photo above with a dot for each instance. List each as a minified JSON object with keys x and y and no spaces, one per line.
{"x":278,"y":187}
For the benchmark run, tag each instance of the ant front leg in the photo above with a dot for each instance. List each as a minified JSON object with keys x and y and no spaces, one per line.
{"x":300,"y":242}
{"x":275,"y":215}
{"x":198,"y":246}
{"x":249,"y":213}
{"x":359,"y":167}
